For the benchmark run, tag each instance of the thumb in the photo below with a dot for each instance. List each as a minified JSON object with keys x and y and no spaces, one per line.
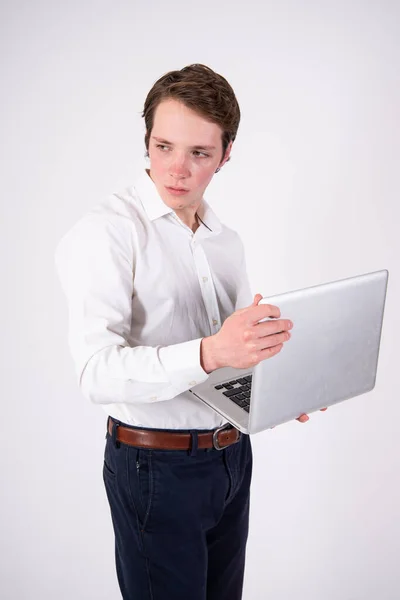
{"x":257,"y":299}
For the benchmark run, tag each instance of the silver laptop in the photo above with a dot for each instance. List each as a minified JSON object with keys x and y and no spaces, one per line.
{"x":332,"y":356}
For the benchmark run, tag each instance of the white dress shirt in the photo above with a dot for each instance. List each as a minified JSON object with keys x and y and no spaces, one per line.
{"x":142,"y":291}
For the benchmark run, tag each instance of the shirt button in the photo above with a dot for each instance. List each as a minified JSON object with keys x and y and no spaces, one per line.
{"x":191,"y":383}
{"x":205,"y":279}
{"x":215,"y":322}
{"x":153,"y":398}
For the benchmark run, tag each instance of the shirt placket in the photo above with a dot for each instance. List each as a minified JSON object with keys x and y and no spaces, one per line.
{"x":204,"y":275}
{"x":207,"y":286}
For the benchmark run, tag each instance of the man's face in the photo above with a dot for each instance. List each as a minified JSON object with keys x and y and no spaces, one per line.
{"x":184,"y":150}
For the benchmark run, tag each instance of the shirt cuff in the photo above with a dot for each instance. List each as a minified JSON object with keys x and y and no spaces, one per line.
{"x":182,"y":364}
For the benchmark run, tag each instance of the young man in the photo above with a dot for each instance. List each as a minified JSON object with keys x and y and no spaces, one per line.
{"x":158,"y":298}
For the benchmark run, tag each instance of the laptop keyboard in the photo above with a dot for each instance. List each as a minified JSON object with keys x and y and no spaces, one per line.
{"x":238,"y":390}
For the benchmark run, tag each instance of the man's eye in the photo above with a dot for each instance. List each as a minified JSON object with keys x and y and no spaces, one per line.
{"x":162,"y":147}
{"x":200,"y":154}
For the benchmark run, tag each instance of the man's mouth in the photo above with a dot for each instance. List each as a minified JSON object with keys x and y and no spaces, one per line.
{"x":176,"y":190}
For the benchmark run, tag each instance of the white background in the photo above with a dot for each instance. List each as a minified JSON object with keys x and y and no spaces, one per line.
{"x":312,"y":187}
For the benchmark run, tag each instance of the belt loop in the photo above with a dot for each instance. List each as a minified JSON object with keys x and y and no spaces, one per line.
{"x":115,"y":425}
{"x":195,"y":442}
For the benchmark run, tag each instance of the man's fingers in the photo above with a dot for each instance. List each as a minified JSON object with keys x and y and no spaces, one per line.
{"x":271,"y":340}
{"x":256,"y":300}
{"x":270,"y":328}
{"x":303,"y":418}
{"x":259,"y":311}
{"x":263,"y":311}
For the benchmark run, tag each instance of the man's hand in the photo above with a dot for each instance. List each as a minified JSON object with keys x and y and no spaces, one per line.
{"x":243,"y":342}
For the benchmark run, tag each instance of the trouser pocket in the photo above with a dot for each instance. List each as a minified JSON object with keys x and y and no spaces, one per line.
{"x":141,"y":483}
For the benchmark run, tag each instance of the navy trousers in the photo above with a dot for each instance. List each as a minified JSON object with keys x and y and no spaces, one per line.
{"x":180,"y":520}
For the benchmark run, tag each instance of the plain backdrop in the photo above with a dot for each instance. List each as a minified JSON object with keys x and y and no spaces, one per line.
{"x":313,"y":189}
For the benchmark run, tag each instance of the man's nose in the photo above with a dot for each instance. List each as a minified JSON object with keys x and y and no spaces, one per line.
{"x":179,"y":167}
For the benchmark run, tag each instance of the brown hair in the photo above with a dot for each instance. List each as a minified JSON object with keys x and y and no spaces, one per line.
{"x":198,"y":87}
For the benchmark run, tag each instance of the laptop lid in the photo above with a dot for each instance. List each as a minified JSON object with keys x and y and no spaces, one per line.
{"x":332,"y":354}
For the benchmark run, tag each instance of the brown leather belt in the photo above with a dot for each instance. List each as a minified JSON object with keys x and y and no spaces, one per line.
{"x":219,"y":439}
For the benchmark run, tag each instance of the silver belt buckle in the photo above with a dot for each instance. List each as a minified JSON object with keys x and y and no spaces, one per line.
{"x":215,"y":437}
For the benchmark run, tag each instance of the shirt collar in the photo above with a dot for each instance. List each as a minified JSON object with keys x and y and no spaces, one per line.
{"x":156,"y":208}
{"x":150,"y":198}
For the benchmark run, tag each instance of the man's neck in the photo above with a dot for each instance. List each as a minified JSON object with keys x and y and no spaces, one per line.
{"x":190,"y":220}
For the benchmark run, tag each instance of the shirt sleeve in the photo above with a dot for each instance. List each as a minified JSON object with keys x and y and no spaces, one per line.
{"x":95,"y":262}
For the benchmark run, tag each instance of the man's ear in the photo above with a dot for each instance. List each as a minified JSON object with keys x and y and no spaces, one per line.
{"x":227,"y":155}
